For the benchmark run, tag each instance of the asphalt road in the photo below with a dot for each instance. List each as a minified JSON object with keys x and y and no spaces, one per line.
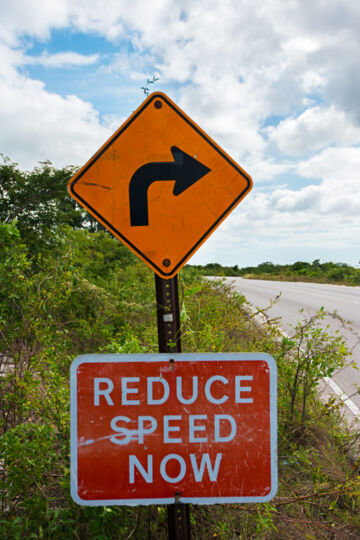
{"x":310,"y":297}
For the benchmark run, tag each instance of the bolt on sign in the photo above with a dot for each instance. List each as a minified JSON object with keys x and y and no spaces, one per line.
{"x":163,"y":428}
{"x":161,"y":185}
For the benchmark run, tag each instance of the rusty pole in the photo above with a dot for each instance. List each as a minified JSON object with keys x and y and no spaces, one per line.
{"x":168,"y":322}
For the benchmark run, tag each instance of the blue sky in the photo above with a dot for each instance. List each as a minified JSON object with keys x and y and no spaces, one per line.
{"x":277,"y":87}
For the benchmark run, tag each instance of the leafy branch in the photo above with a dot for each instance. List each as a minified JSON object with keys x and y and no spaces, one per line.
{"x":146,"y":89}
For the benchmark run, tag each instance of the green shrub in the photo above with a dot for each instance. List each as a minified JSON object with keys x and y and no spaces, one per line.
{"x":85,"y":294}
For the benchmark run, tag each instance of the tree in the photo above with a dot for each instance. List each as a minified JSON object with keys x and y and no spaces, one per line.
{"x":38,"y":201}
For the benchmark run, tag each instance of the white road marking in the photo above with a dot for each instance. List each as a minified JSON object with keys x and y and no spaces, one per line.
{"x":332,"y":384}
{"x":344,"y":398}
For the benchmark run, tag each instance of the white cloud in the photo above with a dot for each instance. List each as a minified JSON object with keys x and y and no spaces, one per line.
{"x":32,"y":18}
{"x":61,"y":59}
{"x":265,"y":170}
{"x":334,"y":165}
{"x":338,"y":194}
{"x":291,"y":219}
{"x":314,"y":129}
{"x":39,"y":125}
{"x":316,"y":218}
{"x":134,"y":66}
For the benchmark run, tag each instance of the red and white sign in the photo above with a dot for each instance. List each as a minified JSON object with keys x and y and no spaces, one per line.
{"x":155,"y":428}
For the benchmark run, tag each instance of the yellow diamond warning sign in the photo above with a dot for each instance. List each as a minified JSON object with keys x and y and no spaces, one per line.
{"x":161,"y":185}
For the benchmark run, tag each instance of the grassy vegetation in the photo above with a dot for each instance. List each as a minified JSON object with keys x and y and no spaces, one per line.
{"x":88,"y":295}
{"x":67,"y":290}
{"x":327,"y":272}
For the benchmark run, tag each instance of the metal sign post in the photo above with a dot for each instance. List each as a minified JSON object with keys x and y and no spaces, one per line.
{"x":169,"y":336}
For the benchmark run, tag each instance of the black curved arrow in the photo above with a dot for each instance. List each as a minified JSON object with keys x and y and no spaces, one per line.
{"x":185,"y":170}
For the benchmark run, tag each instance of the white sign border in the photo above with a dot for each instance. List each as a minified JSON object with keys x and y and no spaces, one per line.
{"x":177,"y":357}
